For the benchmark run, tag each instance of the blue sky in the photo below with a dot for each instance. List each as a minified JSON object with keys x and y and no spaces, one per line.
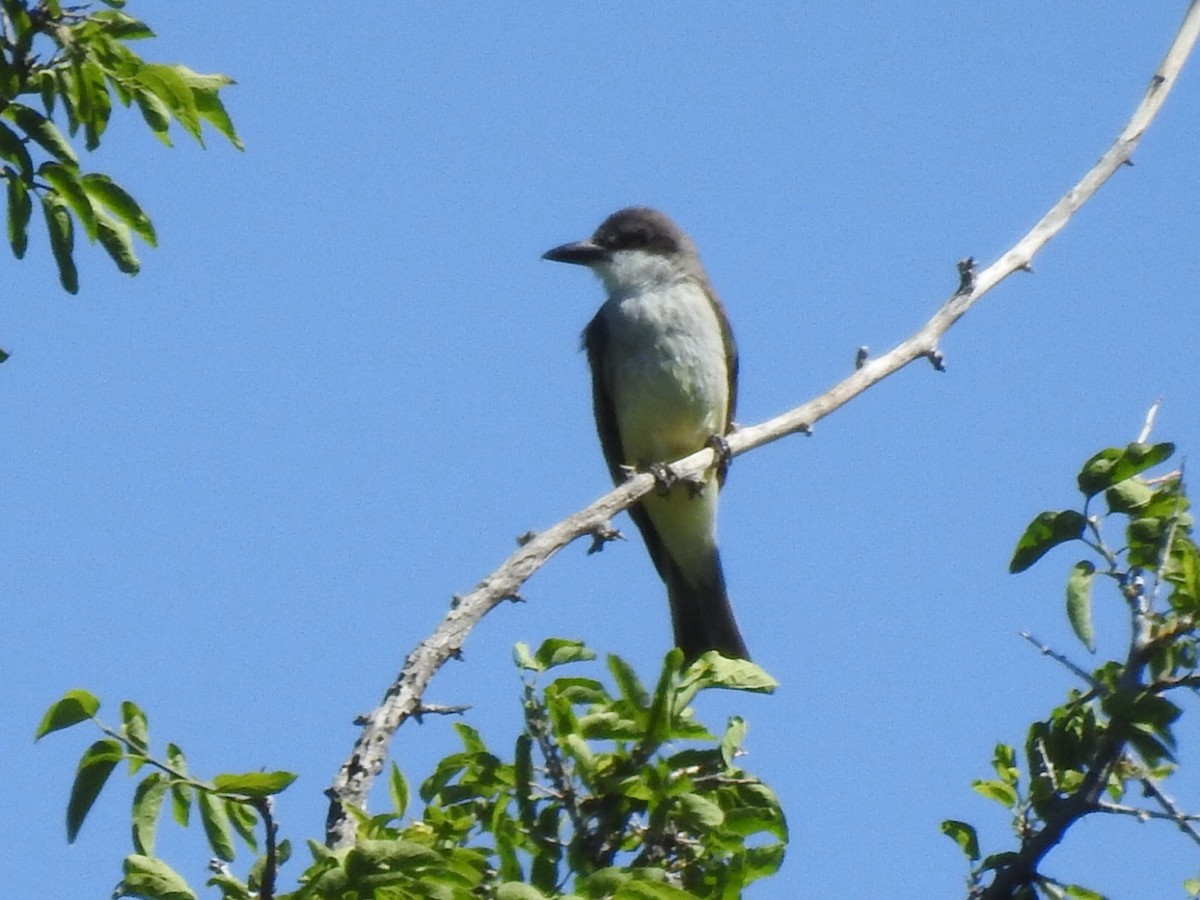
{"x":241,"y":486}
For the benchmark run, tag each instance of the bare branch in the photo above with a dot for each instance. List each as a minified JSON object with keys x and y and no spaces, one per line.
{"x":1172,"y":811}
{"x":1081,"y":674}
{"x":1148,"y":427}
{"x":403,"y":697}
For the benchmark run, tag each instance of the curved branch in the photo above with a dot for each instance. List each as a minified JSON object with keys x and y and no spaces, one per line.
{"x":403,"y":698}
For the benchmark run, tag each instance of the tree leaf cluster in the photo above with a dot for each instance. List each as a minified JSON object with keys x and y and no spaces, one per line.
{"x":1114,"y":736}
{"x":611,"y":790}
{"x":230,"y":807}
{"x":63,"y":68}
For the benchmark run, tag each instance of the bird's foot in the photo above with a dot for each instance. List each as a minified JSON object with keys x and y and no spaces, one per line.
{"x":664,"y":477}
{"x":722,"y":455}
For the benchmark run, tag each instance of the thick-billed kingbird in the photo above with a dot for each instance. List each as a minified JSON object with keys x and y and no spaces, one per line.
{"x":664,"y":384}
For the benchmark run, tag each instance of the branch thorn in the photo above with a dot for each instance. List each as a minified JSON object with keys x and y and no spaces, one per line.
{"x":966,"y":276}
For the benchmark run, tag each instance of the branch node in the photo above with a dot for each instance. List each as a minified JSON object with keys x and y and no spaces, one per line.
{"x":860,"y":358}
{"x":523,"y":539}
{"x":936,"y":359}
{"x":514,"y":597}
{"x":664,"y":477}
{"x":805,"y":429}
{"x":601,"y":535}
{"x":1127,"y":162}
{"x":455,"y":600}
{"x":1025,"y":267}
{"x":437,"y":709}
{"x":966,"y":276}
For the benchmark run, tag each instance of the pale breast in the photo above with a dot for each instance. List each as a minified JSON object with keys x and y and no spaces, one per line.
{"x":667,"y":372}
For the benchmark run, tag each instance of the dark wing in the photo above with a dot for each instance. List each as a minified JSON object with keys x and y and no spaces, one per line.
{"x":595,"y":342}
{"x":731,"y":359}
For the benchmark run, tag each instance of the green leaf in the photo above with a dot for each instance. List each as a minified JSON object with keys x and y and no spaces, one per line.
{"x":48,"y":88}
{"x":156,"y":114}
{"x":244,"y":820}
{"x":1082,"y":893}
{"x":122,"y":25}
{"x":62,"y":242}
{"x":964,"y":835}
{"x":732,"y":740}
{"x":514,"y":890}
{"x":629,"y":685}
{"x":700,"y":812}
{"x":153,"y":879}
{"x":635,"y":889}
{"x":42,"y":131}
{"x":19,"y":210}
{"x":13,"y":149}
{"x":398,"y":791}
{"x":996,"y":790}
{"x":65,"y":181}
{"x":1079,"y":602}
{"x":712,"y":670}
{"x":1114,"y":465}
{"x":1044,"y":533}
{"x":1128,"y":495}
{"x":103,"y":190}
{"x":216,"y":825}
{"x":75,"y":706}
{"x":181,"y":794}
{"x":134,"y":726}
{"x":147,"y":804}
{"x":559,"y":652}
{"x":166,"y":83}
{"x":1004,"y":761}
{"x":212,"y":110}
{"x":253,"y":784}
{"x":95,"y":766}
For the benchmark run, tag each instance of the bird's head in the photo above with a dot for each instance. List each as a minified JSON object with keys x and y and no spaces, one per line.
{"x":634,"y":249}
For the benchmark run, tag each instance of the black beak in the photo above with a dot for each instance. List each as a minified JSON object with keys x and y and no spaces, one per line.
{"x":581,"y":253}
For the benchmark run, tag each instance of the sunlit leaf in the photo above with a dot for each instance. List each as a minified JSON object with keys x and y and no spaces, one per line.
{"x":95,"y":766}
{"x":964,"y":835}
{"x":1044,"y":533}
{"x":152,"y":878}
{"x":1114,"y":465}
{"x":253,"y":784}
{"x":62,"y":242}
{"x":42,"y":131}
{"x":216,"y":824}
{"x":147,"y":804}
{"x":13,"y":149}
{"x":996,"y":790}
{"x":1079,"y":602}
{"x":75,"y":706}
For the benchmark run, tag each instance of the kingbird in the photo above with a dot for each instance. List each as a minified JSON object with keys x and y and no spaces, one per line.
{"x":664,"y":385}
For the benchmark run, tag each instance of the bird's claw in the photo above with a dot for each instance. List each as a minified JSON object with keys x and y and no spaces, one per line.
{"x":664,"y":477}
{"x":722,"y":455}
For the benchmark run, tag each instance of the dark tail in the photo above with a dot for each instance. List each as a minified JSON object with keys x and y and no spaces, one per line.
{"x":701,"y":613}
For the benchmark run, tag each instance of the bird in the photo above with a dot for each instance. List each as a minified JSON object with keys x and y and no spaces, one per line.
{"x":664,"y":384}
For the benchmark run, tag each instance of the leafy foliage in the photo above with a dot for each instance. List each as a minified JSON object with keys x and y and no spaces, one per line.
{"x":63,"y":66}
{"x":612,"y":791}
{"x":1116,"y":732}
{"x":229,"y":804}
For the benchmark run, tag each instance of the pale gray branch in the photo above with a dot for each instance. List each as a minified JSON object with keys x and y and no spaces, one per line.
{"x":403,"y":697}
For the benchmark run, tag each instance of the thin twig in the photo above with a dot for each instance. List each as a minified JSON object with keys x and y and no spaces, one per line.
{"x":1148,"y":426}
{"x":366,"y":761}
{"x":1082,"y":674}
{"x":1173,"y":812}
{"x":1141,"y":814}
